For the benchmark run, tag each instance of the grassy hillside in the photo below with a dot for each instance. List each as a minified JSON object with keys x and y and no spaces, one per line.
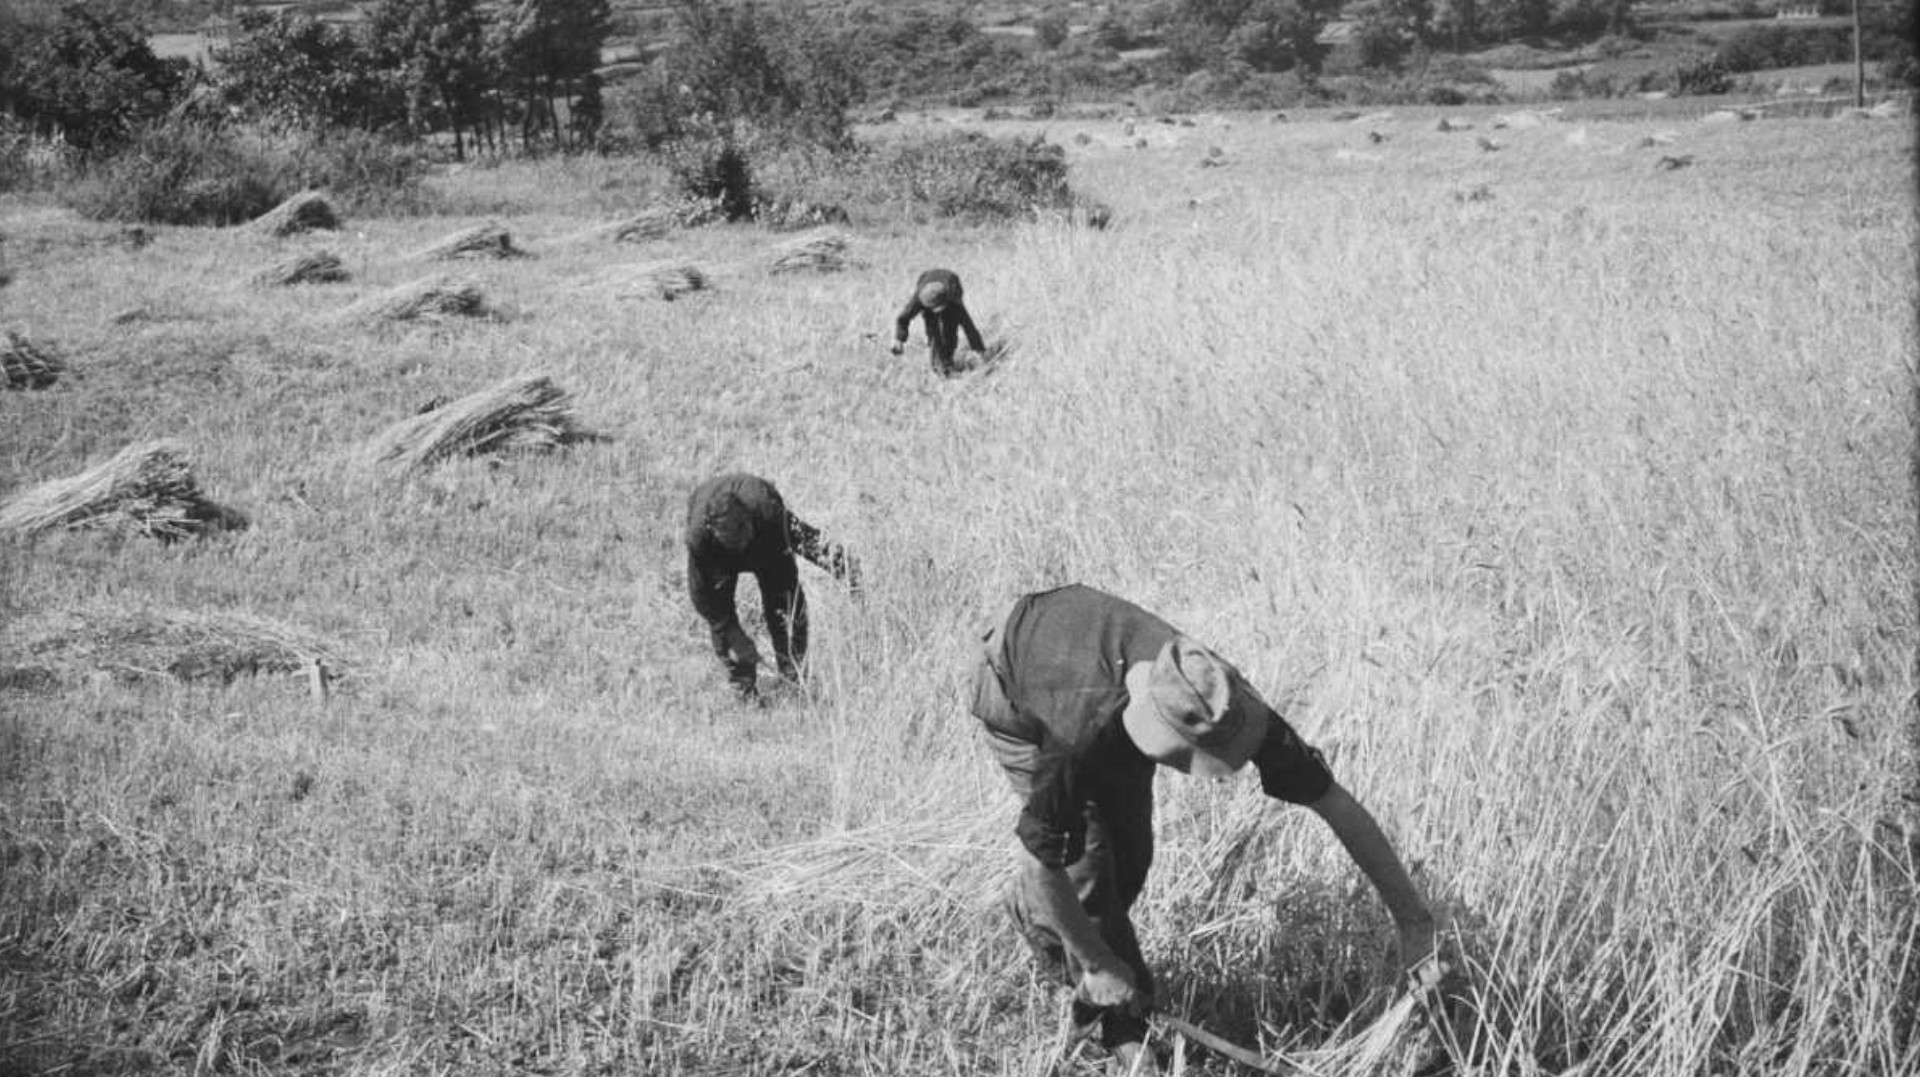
{"x":1565,"y":495}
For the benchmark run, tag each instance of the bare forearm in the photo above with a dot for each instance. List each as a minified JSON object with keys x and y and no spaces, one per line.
{"x":1053,"y":892}
{"x":1374,"y":855}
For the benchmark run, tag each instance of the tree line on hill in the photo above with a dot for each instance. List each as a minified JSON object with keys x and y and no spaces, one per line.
{"x":505,"y":76}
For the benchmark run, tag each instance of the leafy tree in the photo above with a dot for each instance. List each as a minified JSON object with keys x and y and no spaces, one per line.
{"x":547,"y":51}
{"x":298,"y":70}
{"x":740,"y":68}
{"x":1050,"y":30}
{"x":435,"y":51}
{"x":1390,"y":29}
{"x":89,"y":76}
{"x":1265,"y":35}
{"x":1501,"y":20}
{"x":1457,"y":22}
{"x":1280,"y":35}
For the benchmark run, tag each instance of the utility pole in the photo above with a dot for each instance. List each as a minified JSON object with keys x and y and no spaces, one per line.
{"x":1859,"y":66}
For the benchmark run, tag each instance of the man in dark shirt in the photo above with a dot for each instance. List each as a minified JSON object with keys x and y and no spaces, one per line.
{"x":738,"y":523}
{"x":937,"y":301}
{"x":1081,"y":695}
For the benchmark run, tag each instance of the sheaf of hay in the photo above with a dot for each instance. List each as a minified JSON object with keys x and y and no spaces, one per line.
{"x":25,"y":365}
{"x":817,"y":252}
{"x":654,"y":280}
{"x":488,"y":240}
{"x":48,"y":650}
{"x":655,"y":222}
{"x":792,"y":214}
{"x":314,"y":267}
{"x":528,"y":413}
{"x":307,"y":211}
{"x":145,"y":489}
{"x":428,"y":297}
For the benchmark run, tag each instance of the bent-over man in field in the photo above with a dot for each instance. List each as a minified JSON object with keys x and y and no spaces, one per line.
{"x":738,"y":523}
{"x":1081,"y":695}
{"x":937,"y":301}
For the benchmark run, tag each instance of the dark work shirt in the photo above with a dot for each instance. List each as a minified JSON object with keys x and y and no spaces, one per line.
{"x":943,"y":326}
{"x":708,"y":561}
{"x":1062,"y":664}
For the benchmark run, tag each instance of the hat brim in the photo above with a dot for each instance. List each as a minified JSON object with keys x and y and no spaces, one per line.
{"x":1158,"y":740}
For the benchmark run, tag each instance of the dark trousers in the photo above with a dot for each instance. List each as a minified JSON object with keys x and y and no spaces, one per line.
{"x":1107,"y":879}
{"x":785,"y":604}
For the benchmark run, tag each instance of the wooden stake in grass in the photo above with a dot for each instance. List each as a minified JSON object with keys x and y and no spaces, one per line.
{"x":307,"y":211}
{"x":488,"y":240}
{"x":27,"y":366}
{"x":428,"y":297}
{"x":146,"y":489}
{"x":523,"y":414}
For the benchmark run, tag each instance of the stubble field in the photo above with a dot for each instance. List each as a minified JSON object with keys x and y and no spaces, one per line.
{"x":1564,"y":495}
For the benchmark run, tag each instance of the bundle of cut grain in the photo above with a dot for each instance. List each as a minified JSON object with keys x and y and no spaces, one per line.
{"x":655,"y":280}
{"x":428,"y":297}
{"x":651,"y":223}
{"x":488,"y":240}
{"x":146,"y":489}
{"x":522,"y":414}
{"x":64,"y":646}
{"x":792,"y":214}
{"x":818,"y":252}
{"x":305,"y":212}
{"x":26,"y":365}
{"x":314,"y":267}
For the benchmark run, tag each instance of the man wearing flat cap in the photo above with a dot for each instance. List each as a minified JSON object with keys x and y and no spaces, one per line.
{"x":937,"y":301}
{"x":1081,"y":695}
{"x":739,"y":523}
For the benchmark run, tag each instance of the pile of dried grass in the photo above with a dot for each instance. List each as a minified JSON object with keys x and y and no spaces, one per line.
{"x":428,"y":297}
{"x":790,"y":214}
{"x":654,"y":280}
{"x":305,"y":212}
{"x":146,"y":489}
{"x":314,"y":267}
{"x":488,"y":240}
{"x":64,"y":647}
{"x":817,"y":252}
{"x":26,"y":365}
{"x":654,"y":222}
{"x":528,"y":413}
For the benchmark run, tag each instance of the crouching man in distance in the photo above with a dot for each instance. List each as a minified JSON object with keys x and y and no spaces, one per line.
{"x":938,"y":301}
{"x":1081,"y":695}
{"x":738,"y":523}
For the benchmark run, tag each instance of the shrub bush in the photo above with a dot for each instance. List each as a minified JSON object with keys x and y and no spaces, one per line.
{"x":714,"y":170}
{"x":195,"y":173}
{"x":1760,"y":48}
{"x":1708,"y":76}
{"x":969,"y":176}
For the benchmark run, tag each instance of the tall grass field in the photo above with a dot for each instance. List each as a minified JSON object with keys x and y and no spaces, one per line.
{"x":1559,"y":492}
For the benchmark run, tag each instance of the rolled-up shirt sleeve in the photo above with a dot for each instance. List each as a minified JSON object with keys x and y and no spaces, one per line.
{"x":1291,"y":769}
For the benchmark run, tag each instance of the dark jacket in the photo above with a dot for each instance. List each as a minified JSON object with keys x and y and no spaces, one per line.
{"x":943,"y":326}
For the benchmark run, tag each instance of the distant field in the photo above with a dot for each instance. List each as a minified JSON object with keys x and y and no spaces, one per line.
{"x":1558,"y":474}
